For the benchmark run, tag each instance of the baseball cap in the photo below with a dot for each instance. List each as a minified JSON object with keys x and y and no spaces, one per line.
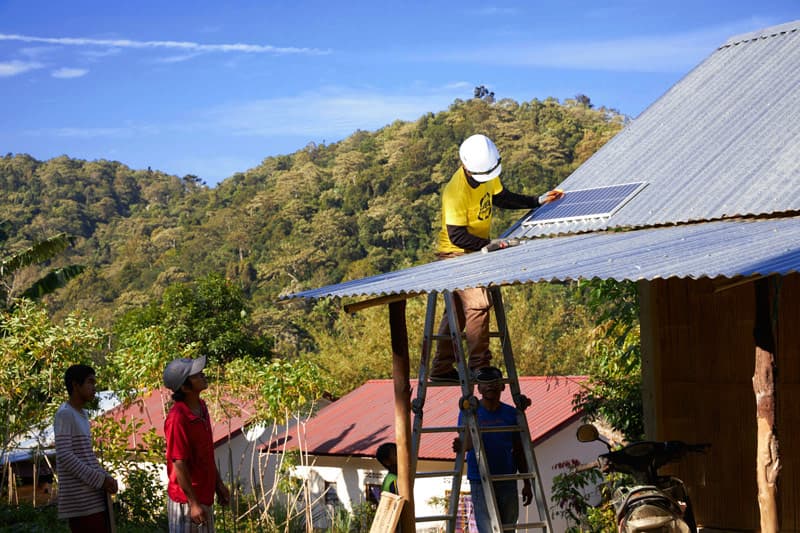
{"x":178,"y":370}
{"x":488,"y":374}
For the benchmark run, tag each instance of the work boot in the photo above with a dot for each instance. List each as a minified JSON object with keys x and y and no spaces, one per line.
{"x":451,"y":376}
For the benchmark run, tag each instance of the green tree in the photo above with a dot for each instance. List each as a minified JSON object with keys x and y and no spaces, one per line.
{"x":13,"y":264}
{"x":34,"y":354}
{"x":211,"y":314}
{"x":614,"y":391}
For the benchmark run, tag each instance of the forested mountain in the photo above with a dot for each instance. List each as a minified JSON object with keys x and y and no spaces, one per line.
{"x":326,"y":213}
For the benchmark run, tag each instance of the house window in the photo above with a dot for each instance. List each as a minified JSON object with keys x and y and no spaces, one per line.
{"x":331,"y":497}
{"x":372,"y":492}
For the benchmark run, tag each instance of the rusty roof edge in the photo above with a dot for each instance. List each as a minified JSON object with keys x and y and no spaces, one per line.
{"x":772,"y":31}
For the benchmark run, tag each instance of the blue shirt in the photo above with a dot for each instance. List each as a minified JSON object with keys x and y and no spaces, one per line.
{"x":499,"y":447}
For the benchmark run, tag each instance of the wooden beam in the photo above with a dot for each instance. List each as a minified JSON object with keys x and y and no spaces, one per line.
{"x":380,"y":300}
{"x":402,"y":410}
{"x":768,"y":462}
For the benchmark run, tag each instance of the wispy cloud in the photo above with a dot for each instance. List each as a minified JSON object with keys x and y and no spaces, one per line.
{"x":329,"y":113}
{"x":13,"y":68}
{"x":186,"y":46}
{"x":176,"y":58}
{"x":94,"y":54}
{"x":67,"y":73}
{"x":127,"y":131}
{"x":649,"y":53}
{"x":494,"y":10}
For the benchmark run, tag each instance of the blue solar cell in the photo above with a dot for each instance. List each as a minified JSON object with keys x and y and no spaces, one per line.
{"x":585,"y":203}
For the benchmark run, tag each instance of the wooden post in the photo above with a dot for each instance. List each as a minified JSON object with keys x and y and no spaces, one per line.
{"x":402,"y":411}
{"x":764,"y":380}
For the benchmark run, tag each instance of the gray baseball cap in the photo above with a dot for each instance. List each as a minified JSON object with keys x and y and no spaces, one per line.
{"x":178,"y":370}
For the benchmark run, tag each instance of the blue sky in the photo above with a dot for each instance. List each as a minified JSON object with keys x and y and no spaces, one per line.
{"x":212,"y":88}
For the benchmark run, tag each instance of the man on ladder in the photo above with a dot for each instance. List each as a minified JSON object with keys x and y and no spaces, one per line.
{"x":467,"y":202}
{"x":503,"y":451}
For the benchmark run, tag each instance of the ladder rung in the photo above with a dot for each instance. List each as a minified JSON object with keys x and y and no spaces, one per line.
{"x":437,"y":473}
{"x":499,"y":429}
{"x":440,"y":429}
{"x":434,"y":518}
{"x":437,"y":337}
{"x":511,"y":477}
{"x":444,"y":384}
{"x":527,"y":525}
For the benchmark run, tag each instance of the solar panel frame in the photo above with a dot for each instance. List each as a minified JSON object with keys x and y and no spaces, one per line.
{"x":583,"y":204}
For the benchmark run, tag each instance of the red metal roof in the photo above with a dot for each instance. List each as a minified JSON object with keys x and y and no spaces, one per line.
{"x":151,"y":408}
{"x":359,"y":422}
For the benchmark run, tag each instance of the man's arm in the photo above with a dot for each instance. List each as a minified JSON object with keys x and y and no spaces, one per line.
{"x":506,"y":199}
{"x":462,"y":238}
{"x":68,"y":459}
{"x":522,"y":467}
{"x":197,"y":513}
{"x":223,"y":494}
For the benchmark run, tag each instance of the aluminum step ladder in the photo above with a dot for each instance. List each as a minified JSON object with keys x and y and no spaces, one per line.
{"x":467,"y":405}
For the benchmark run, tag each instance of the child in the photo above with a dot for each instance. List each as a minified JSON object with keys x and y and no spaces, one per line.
{"x":387,"y":456}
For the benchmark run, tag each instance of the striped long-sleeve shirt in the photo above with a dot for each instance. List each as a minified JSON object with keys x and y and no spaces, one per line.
{"x":80,"y":476}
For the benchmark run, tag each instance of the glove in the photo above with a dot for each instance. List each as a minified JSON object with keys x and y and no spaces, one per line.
{"x":499,"y":244}
{"x":551,"y":196}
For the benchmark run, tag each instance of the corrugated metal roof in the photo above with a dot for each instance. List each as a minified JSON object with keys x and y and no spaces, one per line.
{"x":723,"y":142}
{"x":359,"y":422}
{"x":714,"y":249}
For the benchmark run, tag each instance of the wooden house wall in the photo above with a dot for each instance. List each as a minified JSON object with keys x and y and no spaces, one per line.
{"x":698,"y":363}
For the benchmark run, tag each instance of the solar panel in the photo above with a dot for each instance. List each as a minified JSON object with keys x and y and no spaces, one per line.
{"x":598,"y":202}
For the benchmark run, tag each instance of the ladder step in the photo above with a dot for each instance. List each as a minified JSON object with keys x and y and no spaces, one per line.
{"x":434,"y":518}
{"x":437,"y":473}
{"x":437,"y":337}
{"x":499,"y":429}
{"x":444,"y":384}
{"x":527,"y":525}
{"x":512,"y":477}
{"x":440,"y":429}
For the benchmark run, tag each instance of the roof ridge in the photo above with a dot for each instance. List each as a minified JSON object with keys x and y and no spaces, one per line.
{"x":764,"y":33}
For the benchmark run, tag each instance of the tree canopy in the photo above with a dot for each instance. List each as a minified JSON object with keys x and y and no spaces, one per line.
{"x":326,"y":213}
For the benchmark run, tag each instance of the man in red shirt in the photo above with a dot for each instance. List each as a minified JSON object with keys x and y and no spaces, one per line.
{"x":192,"y":471}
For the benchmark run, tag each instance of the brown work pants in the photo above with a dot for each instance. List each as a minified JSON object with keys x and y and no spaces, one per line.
{"x":472,"y":312}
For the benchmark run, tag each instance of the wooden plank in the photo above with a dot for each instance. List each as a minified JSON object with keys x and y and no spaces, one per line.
{"x":380,"y":300}
{"x":388,"y":514}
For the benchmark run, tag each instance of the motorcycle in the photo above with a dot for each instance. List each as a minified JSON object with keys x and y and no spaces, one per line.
{"x":655,"y":503}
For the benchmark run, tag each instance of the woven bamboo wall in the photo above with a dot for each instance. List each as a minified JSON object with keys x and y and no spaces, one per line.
{"x":700,"y":353}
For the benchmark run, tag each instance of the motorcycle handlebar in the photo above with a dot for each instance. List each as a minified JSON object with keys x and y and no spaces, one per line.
{"x":587,"y":466}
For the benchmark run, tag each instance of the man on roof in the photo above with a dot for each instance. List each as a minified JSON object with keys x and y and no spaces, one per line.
{"x":467,"y":202}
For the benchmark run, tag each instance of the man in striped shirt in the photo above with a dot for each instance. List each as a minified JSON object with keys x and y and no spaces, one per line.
{"x":82,"y":482}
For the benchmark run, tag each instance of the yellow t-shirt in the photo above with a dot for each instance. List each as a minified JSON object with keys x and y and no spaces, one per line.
{"x":464,"y":206}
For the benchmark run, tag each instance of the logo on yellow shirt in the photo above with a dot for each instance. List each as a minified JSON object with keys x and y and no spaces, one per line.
{"x":485,"y":212}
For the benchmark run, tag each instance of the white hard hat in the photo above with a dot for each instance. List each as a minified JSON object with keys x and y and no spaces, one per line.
{"x":480,"y":157}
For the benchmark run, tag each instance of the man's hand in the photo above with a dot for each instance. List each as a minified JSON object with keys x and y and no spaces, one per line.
{"x":457,"y":445}
{"x":223,"y":494}
{"x":197,"y":513}
{"x":110,"y":485}
{"x":499,"y":244}
{"x":527,"y":493}
{"x":551,"y":196}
